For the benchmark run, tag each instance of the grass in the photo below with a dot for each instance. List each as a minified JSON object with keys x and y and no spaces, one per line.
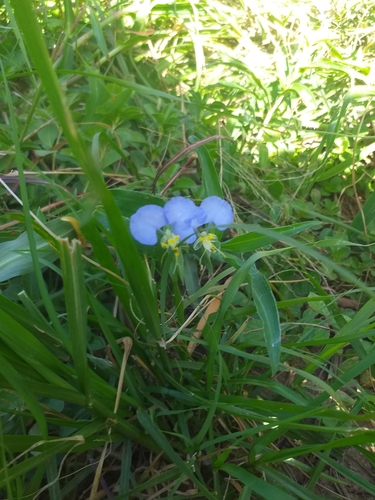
{"x":245,"y":373}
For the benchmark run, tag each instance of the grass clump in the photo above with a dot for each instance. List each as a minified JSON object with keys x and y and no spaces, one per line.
{"x":240,"y":369}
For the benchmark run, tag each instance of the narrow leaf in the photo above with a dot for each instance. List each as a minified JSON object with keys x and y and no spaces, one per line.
{"x":76,"y":306}
{"x":263,"y":489}
{"x":15,"y":255}
{"x":210,"y":176}
{"x":252,"y":241}
{"x":154,"y":431}
{"x":23,"y":390}
{"x":266,"y":307}
{"x":133,"y":265}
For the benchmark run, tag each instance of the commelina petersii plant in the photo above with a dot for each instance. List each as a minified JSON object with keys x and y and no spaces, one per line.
{"x":142,"y":354}
{"x":180,"y":219}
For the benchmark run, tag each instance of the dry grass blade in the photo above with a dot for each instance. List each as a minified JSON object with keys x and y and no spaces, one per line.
{"x":188,"y":149}
{"x":211,"y":307}
{"x":127,"y":343}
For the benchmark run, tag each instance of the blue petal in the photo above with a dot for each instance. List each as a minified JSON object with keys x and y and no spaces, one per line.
{"x":184,"y":216}
{"x":180,"y":209}
{"x":184,"y":230}
{"x":146,"y":221}
{"x":218,"y":212}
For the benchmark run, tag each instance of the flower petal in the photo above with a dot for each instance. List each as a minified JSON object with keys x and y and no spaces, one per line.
{"x":184,"y":216}
{"x":218,"y":212}
{"x":180,"y":209}
{"x":145,"y":223}
{"x":184,"y":229}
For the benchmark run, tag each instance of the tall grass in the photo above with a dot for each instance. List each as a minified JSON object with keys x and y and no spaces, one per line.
{"x":245,"y":373}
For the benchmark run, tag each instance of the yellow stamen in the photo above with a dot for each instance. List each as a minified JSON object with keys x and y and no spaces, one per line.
{"x":171,"y":240}
{"x":207,"y":241}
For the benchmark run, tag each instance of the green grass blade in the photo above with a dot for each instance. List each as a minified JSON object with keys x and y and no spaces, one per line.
{"x":260,"y":487}
{"x":52,"y":474}
{"x":281,"y":455}
{"x":21,"y":341}
{"x":68,"y":50}
{"x":266,"y":308}
{"x":16,"y":255}
{"x":126,"y":474}
{"x":367,"y":215}
{"x":252,"y":241}
{"x":300,"y":491}
{"x":359,"y":321}
{"x":154,"y":431}
{"x":348,"y":473}
{"x":22,"y":389}
{"x":210,"y":176}
{"x":344,"y":273}
{"x":26,"y":209}
{"x":25,"y":466}
{"x":105,"y":259}
{"x":76,"y":306}
{"x":212,"y":333}
{"x":134,"y":267}
{"x":98,"y":32}
{"x":140,"y":89}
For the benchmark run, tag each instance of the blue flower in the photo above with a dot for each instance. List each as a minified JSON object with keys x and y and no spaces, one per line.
{"x":181,"y":217}
{"x":218,"y":212}
{"x":185,"y":217}
{"x":145,"y":223}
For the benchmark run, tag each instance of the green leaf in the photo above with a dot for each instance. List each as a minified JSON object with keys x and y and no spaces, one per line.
{"x":210,"y":177}
{"x":62,"y":446}
{"x":154,"y":431}
{"x":305,"y":93}
{"x":30,"y":317}
{"x":98,"y":32}
{"x":213,"y":333}
{"x":266,"y":307}
{"x":252,"y":241}
{"x":260,"y":487}
{"x":348,"y":473}
{"x":367,"y":215}
{"x":76,"y":306}
{"x":130,"y":201}
{"x":281,"y":455}
{"x":23,"y":390}
{"x":15,"y":255}
{"x":134,"y":267}
{"x":292,"y":486}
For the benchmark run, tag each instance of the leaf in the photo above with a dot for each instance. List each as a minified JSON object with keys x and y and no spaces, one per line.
{"x":210,"y":177}
{"x":130,"y":201}
{"x":76,"y":306}
{"x":301,"y":491}
{"x":32,"y":319}
{"x":98,"y":33}
{"x":367,"y":215}
{"x":134,"y":268}
{"x":59,"y":446}
{"x":306,"y":94}
{"x":22,"y":342}
{"x":154,"y":431}
{"x":252,"y":241}
{"x":263,"y":489}
{"x":266,"y":307}
{"x":282,"y":455}
{"x":348,"y":473}
{"x":23,"y":390}
{"x":15,"y":256}
{"x":98,"y":95}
